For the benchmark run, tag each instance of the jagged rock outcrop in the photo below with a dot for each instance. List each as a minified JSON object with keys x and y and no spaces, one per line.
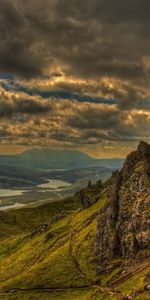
{"x":90,"y":194}
{"x":124,"y":223}
{"x":107,"y":238}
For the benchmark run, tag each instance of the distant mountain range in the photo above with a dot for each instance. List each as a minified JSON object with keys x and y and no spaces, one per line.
{"x":31,"y":168}
{"x":47,"y":159}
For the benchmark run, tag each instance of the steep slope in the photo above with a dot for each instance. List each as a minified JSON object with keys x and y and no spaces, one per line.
{"x":101,"y":252}
{"x":124,"y":223}
{"x":59,"y":257}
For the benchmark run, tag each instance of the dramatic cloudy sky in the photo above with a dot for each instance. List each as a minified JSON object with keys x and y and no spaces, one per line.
{"x":75,"y":75}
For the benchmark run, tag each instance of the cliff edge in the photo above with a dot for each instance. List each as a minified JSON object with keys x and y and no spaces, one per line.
{"x":123,"y":227}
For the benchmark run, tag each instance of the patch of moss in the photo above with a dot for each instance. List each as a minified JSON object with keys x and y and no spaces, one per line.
{"x":70,"y":294}
{"x":136,"y":281}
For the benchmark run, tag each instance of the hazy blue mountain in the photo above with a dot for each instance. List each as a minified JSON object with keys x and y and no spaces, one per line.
{"x":32,"y":167}
{"x":51,"y":159}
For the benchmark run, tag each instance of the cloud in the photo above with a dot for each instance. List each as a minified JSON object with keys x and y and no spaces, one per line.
{"x":17,"y":52}
{"x":70,"y":124}
{"x":97,"y":38}
{"x":74,"y":73}
{"x":12,"y":104}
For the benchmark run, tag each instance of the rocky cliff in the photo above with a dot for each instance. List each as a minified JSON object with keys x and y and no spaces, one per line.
{"x":123,"y":227}
{"x":89,"y":195}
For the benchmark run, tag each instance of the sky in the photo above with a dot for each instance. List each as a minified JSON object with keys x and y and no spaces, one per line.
{"x":74,"y":75}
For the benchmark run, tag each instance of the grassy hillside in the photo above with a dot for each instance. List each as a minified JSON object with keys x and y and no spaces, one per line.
{"x":48,"y":253}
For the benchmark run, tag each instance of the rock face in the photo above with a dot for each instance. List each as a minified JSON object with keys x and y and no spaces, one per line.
{"x":90,"y":194}
{"x":123,"y":227}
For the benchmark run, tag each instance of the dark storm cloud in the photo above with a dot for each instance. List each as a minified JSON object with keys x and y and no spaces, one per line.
{"x":25,"y":107}
{"x":16,"y":52}
{"x":104,"y":118}
{"x":89,"y":67}
{"x":10,"y":105}
{"x":61,"y":93}
{"x":112,"y":11}
{"x":90,"y":38}
{"x":31,"y":107}
{"x":110,"y":124}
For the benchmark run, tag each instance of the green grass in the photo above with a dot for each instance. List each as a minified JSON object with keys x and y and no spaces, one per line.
{"x":137,"y":280}
{"x":56,"y":261}
{"x":60,"y":257}
{"x":27,"y":219}
{"x":72,"y":294}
